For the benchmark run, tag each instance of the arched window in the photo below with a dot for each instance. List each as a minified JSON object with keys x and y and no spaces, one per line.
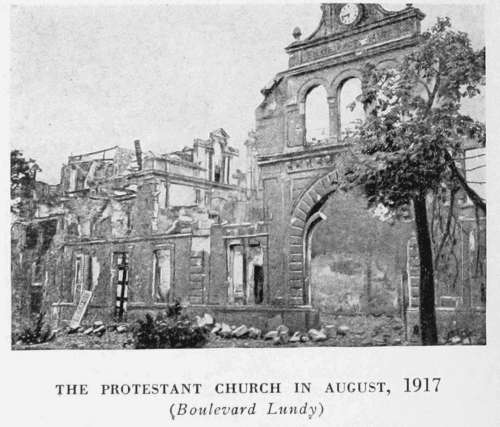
{"x":350,"y":108}
{"x":317,"y":116}
{"x":218,"y":164}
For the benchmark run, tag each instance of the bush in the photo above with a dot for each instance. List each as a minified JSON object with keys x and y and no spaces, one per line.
{"x":172,"y":330}
{"x":37,"y":333}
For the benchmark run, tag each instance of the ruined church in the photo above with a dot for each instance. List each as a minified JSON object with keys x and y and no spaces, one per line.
{"x":140,"y":230}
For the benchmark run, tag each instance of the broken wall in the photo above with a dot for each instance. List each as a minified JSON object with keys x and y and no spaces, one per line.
{"x":358,"y":259}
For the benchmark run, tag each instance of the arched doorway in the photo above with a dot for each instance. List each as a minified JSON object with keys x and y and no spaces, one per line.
{"x":315,"y":219}
{"x":351,"y":259}
{"x":305,"y":216}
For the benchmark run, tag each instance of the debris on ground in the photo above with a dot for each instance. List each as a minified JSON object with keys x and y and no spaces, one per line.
{"x":337,"y":330}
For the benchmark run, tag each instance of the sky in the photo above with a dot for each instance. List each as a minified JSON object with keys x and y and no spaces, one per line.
{"x":84,"y":78}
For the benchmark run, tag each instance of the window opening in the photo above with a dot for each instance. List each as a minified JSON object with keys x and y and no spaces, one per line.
{"x":162,"y":275}
{"x":317,"y":120}
{"x":350,"y":108}
{"x":121,"y":263}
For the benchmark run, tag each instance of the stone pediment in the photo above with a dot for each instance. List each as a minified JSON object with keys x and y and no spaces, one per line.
{"x":358,"y":26}
{"x":330,"y":23}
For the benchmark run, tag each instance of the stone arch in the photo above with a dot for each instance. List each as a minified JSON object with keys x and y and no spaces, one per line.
{"x":338,"y":81}
{"x":310,"y":85}
{"x":301,"y":97}
{"x":335,"y":89}
{"x":305,"y":216}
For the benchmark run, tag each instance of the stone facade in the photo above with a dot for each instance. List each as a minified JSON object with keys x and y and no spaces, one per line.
{"x":137,"y":230}
{"x":296,"y":175}
{"x":140,"y":230}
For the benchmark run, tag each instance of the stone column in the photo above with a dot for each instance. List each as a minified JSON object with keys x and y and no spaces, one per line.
{"x":333,"y":108}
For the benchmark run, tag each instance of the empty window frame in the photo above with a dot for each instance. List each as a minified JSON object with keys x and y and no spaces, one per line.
{"x":350,"y":108}
{"x":317,"y":116}
{"x":121,"y":283}
{"x":162,"y":275}
{"x":78,"y":276}
{"x":246,"y":274}
{"x":255,"y":290}
{"x":236,"y":274}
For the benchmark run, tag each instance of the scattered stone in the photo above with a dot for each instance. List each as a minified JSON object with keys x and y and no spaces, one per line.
{"x":342,"y":330}
{"x":295,"y":337}
{"x":208,"y":319}
{"x":88,"y":331}
{"x":481,"y":341}
{"x":225,"y":331}
{"x":455,"y":340}
{"x":216,"y":329}
{"x":367,"y":343}
{"x":121,"y":329}
{"x":396,"y":341}
{"x":277,"y":341}
{"x":99,"y":331}
{"x":98,"y":323}
{"x":316,"y":335}
{"x":466,"y":341}
{"x":379,"y":342}
{"x":271,"y":335}
{"x":282,"y":329}
{"x":240,"y":331}
{"x":283,"y":336}
{"x":304,"y":338}
{"x":273,"y":323}
{"x":397,"y":326}
{"x":254,"y":333}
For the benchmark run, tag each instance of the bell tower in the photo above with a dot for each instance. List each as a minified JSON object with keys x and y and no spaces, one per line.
{"x":296,"y":173}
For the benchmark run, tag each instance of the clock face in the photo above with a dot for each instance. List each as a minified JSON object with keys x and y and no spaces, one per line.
{"x":349,"y":13}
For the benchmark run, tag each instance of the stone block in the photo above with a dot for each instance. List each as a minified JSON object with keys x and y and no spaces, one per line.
{"x":271,"y":335}
{"x":240,"y":331}
{"x":316,"y":335}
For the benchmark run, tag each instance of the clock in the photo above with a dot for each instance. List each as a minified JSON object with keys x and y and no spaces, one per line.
{"x":349,"y":13}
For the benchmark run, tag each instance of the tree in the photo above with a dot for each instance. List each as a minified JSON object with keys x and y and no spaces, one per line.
{"x":413,"y":135}
{"x":22,"y":179}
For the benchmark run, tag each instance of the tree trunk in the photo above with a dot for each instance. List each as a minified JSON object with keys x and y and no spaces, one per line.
{"x":427,"y":306}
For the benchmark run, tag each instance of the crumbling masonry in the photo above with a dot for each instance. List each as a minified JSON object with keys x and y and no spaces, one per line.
{"x":140,"y":230}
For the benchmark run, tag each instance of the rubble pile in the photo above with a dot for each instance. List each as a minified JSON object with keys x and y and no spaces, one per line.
{"x":98,"y":328}
{"x":337,"y":330}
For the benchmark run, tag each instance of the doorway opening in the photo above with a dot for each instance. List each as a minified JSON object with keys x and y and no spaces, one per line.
{"x":246,"y":273}
{"x":352,"y":258}
{"x":258,"y":283}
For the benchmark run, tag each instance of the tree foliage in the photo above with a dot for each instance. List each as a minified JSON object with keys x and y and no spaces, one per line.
{"x":415,"y":130}
{"x":22,"y":175}
{"x":413,"y":136}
